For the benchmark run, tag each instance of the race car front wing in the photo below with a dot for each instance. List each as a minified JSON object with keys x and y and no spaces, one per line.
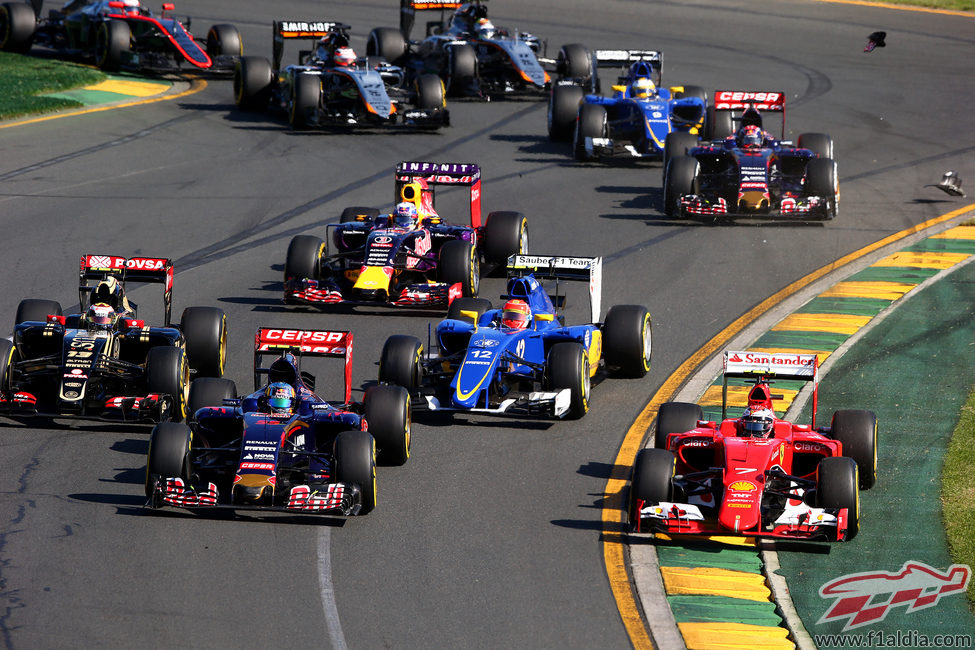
{"x":331,"y":498}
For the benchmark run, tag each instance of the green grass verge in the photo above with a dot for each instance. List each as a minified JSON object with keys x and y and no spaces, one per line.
{"x":958,"y":491}
{"x":954,"y":5}
{"x":23,"y":79}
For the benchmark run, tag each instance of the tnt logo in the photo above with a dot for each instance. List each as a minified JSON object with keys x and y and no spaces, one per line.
{"x":866,"y":598}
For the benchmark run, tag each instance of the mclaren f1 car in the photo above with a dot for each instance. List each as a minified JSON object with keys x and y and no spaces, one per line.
{"x":755,"y":475}
{"x":414,"y":260}
{"x":105,"y":362}
{"x":522,"y":359}
{"x":281,"y":447}
{"x":118,"y":34}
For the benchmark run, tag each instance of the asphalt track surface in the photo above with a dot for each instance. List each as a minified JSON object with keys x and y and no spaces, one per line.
{"x":490,"y":535}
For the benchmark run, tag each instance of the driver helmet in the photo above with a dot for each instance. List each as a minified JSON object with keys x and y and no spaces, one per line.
{"x":344,"y":57}
{"x":757,"y":422}
{"x":280,"y":398}
{"x":485,"y":28}
{"x":404,"y":215}
{"x":750,"y":137}
{"x":100,"y":317}
{"x":516,"y":314}
{"x":131,"y":7}
{"x":642,"y":88}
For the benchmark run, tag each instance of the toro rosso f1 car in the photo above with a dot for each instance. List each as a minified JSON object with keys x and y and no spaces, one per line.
{"x":281,"y":447}
{"x":636,"y":120}
{"x":331,"y":87}
{"x":749,"y":172}
{"x":755,"y":475}
{"x":118,"y":34}
{"x":522,"y":359}
{"x":472,"y":56}
{"x":415,"y":259}
{"x":106,"y":362}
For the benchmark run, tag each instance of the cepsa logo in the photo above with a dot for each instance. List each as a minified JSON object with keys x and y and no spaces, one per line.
{"x":310,"y":340}
{"x":725,"y":99}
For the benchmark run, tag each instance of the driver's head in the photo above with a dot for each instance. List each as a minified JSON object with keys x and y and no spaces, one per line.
{"x":756,"y":422}
{"x":516,"y":314}
{"x":280,"y":398}
{"x":404,"y":214}
{"x":344,"y":57}
{"x":750,"y":137}
{"x":642,"y":88}
{"x":485,"y":28}
{"x":100,"y":317}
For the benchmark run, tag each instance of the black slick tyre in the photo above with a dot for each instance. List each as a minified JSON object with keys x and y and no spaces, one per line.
{"x":112,"y":39}
{"x":461,"y":69}
{"x":36,"y":310}
{"x":628,"y":340}
{"x":675,"y":417}
{"x":354,"y":213}
{"x":430,"y":92}
{"x":574,"y":62}
{"x":679,"y":179}
{"x":505,"y":234}
{"x":459,"y":263}
{"x":169,"y":447}
{"x":224,"y":40}
{"x":477,"y":305}
{"x":821,"y":181}
{"x":167,"y":373}
{"x":355,"y":462}
{"x":857,"y":430}
{"x":387,"y":43}
{"x":305,"y":95}
{"x":567,"y":366}
{"x":719,"y":124}
{"x":399,"y":363}
{"x":304,"y":258}
{"x":651,"y":480}
{"x":563,"y":106}
{"x":590,"y":123}
{"x":209,"y":391}
{"x":678,"y":143}
{"x":252,"y":83}
{"x":7,"y":351}
{"x":819,"y":143}
{"x":205,"y":330}
{"x":387,"y":410}
{"x":17,"y":25}
{"x":837,"y":488}
{"x":692,"y":91}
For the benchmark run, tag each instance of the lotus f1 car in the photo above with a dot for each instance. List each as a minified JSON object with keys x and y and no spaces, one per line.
{"x":105,"y":362}
{"x":281,"y":447}
{"x":636,"y":120}
{"x":486,"y":364}
{"x":118,"y":34}
{"x":756,"y":475}
{"x":750,"y":172}
{"x":422,"y":261}
{"x":329,"y":87}
{"x":472,"y":56}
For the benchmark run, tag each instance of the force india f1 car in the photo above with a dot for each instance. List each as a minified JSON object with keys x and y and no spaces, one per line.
{"x":421,"y":261}
{"x":118,"y":34}
{"x":330,"y":87}
{"x":472,"y":56}
{"x":636,"y":120}
{"x":281,"y":447}
{"x":486,"y":363}
{"x":756,"y":475}
{"x":751,"y":173}
{"x":106,"y":362}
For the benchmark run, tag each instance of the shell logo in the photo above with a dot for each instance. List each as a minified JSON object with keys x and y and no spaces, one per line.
{"x":742,"y":486}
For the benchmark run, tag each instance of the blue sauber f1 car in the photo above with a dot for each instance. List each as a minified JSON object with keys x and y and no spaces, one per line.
{"x":636,"y":120}
{"x":522,"y":359}
{"x":281,"y":447}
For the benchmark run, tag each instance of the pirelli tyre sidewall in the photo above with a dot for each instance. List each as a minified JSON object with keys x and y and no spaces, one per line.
{"x":168,"y":373}
{"x":205,"y":330}
{"x":304,"y":258}
{"x":7,"y":351}
{"x":306,"y":92}
{"x":567,"y":366}
{"x":836,"y":487}
{"x":387,"y":411}
{"x":112,"y":38}
{"x":355,"y":462}
{"x":652,"y":479}
{"x":590,"y":123}
{"x":209,"y":391}
{"x":399,"y":363}
{"x":563,"y":106}
{"x":675,"y":417}
{"x":253,"y":79}
{"x":628,"y":340}
{"x":169,"y":448}
{"x":17,"y":24}
{"x":857,"y":430}
{"x":505,"y":234}
{"x":459,"y":262}
{"x":224,"y":40}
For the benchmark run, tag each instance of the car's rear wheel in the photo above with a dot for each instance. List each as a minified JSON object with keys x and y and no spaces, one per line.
{"x":857,"y":430}
{"x":720,"y":124}
{"x":430,"y":92}
{"x":205,"y":329}
{"x":574,"y":62}
{"x":651,"y":481}
{"x":167,"y":373}
{"x":304,"y":258}
{"x":169,"y":448}
{"x":112,"y":39}
{"x":459,"y":263}
{"x":355,"y":462}
{"x":399,"y":363}
{"x":505,"y":234}
{"x":224,"y":40}
{"x":675,"y":417}
{"x":821,"y":180}
{"x":387,"y":410}
{"x":563,"y":106}
{"x":17,"y":25}
{"x":209,"y":391}
{"x":680,"y":179}
{"x":252,"y":83}
{"x":306,"y":92}
{"x":567,"y":366}
{"x":357,"y":213}
{"x":386,"y":42}
{"x":695,"y":92}
{"x":627,"y":339}
{"x":837,"y":488}
{"x":819,"y":143}
{"x":461,"y":69}
{"x":477,"y":305}
{"x":36,"y":310}
{"x":590,"y":123}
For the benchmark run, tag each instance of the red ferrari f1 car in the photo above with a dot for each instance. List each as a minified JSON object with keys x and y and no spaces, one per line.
{"x":755,"y":475}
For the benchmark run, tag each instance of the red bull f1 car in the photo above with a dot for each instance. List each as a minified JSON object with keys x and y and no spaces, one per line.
{"x":473,"y":56}
{"x":118,"y":34}
{"x":331,"y":87}
{"x":749,"y":172}
{"x":755,"y":475}
{"x":419,"y":261}
{"x":526,"y":362}
{"x":105,"y":362}
{"x":281,"y":447}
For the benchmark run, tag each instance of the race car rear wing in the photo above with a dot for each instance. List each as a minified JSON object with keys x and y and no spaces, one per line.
{"x":764,"y":366}
{"x":293,"y":29}
{"x":545,"y":267}
{"x":155,"y":270}
{"x":408,"y":9}
{"x":465,"y":174}
{"x":737,"y":101}
{"x":624,"y":58}
{"x":302,"y":343}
